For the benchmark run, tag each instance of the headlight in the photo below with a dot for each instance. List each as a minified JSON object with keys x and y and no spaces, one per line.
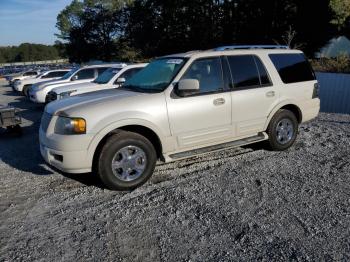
{"x":18,"y":82}
{"x":70,"y":126}
{"x":67,"y":94}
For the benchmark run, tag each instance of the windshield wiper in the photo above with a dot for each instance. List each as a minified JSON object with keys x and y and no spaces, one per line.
{"x":140,"y":90}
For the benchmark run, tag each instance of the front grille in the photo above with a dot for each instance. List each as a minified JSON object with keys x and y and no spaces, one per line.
{"x":51,"y":96}
{"x":45,"y":121}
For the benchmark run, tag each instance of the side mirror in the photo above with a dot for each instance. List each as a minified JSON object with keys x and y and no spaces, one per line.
{"x":74,"y":78}
{"x":121,"y":80}
{"x":188,"y":85}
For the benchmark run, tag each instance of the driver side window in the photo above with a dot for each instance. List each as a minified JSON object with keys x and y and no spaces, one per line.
{"x":208,"y":72}
{"x":128,"y":74}
{"x":86,"y":74}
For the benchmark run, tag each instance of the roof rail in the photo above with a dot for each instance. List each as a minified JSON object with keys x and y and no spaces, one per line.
{"x":233,"y":47}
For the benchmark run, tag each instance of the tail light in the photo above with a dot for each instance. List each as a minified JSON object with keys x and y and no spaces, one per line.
{"x":316,"y":92}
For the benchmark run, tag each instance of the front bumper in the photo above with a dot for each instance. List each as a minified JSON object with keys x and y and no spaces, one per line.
{"x":36,"y":97}
{"x":68,"y":162}
{"x":66,"y":153}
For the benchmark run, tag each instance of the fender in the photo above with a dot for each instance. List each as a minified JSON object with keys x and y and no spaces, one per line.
{"x":278,"y":107}
{"x":118,"y":124}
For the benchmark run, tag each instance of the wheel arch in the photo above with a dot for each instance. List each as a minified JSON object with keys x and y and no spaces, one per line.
{"x":287,"y":105}
{"x":142,"y":129}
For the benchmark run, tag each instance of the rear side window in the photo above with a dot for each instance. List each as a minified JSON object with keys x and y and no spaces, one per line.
{"x":247,"y":71}
{"x":292,"y":68}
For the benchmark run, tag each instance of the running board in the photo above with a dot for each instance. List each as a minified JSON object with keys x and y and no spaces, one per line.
{"x":246,"y":141}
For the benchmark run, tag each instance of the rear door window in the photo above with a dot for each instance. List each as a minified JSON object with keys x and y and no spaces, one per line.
{"x":292,"y":68}
{"x":247,"y":72}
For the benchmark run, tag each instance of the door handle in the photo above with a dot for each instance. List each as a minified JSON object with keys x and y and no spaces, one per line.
{"x":270,"y":94}
{"x":219,"y":101}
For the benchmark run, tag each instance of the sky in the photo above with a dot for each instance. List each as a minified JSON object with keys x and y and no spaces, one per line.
{"x":29,"y":21}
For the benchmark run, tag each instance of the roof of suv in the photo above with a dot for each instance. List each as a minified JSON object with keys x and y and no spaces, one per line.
{"x":119,"y":65}
{"x":226,"y":50}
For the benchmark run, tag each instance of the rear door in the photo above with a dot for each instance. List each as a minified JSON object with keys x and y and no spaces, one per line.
{"x":253,"y":94}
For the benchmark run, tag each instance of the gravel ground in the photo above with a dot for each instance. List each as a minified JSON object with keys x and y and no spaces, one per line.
{"x":241,"y":204}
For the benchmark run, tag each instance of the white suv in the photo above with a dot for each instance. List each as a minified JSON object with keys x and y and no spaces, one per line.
{"x":24,"y":84}
{"x":37,"y":92}
{"x":20,"y":76}
{"x":112,"y":78}
{"x":180,"y":106}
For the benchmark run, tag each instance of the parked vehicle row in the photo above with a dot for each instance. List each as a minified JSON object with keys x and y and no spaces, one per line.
{"x":112,"y":78}
{"x":177,"y":106}
{"x":22,"y":85}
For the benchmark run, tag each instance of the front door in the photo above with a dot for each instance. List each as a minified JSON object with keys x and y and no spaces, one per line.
{"x":204,"y":117}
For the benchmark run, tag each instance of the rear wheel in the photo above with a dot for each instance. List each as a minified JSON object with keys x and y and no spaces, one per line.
{"x":126,"y":161}
{"x":282,"y":130}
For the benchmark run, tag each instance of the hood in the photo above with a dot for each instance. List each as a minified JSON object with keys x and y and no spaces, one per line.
{"x":52,"y":82}
{"x":81,"y":104}
{"x":78,"y":87}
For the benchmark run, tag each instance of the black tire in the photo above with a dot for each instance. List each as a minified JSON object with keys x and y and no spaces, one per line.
{"x":279,"y":142}
{"x":114,"y":145}
{"x":15,"y":130}
{"x":25,"y":90}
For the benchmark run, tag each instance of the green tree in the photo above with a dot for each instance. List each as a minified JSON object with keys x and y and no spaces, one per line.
{"x":160,"y":27}
{"x":27,"y":52}
{"x":341,"y":8}
{"x":91,"y":29}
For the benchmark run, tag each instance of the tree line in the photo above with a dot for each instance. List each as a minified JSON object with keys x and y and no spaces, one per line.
{"x":28,"y":52}
{"x":131,"y":30}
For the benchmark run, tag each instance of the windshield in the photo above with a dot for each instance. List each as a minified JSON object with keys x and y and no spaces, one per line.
{"x":106,"y":76}
{"x":70,"y":73}
{"x":156,"y":76}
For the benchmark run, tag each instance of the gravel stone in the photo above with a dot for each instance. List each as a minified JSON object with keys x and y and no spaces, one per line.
{"x":239,"y":204}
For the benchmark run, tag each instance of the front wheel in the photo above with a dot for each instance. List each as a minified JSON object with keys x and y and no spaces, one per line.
{"x":126,"y":161}
{"x":25,"y":90}
{"x":282,"y":130}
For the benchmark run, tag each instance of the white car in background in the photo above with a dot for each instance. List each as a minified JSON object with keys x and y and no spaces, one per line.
{"x":23,"y":75}
{"x":37,"y":93}
{"x":24,"y":84}
{"x":112,"y":78}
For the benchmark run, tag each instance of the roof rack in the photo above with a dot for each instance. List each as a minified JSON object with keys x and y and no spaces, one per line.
{"x":233,"y":47}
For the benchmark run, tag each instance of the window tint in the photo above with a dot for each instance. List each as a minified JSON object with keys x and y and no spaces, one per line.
{"x":30,"y":74}
{"x":264,"y":77}
{"x":54,"y":74}
{"x":48,"y":75}
{"x":86,"y":74}
{"x":209,"y":74}
{"x":156,"y":76}
{"x":244,"y":71}
{"x":129,"y":73}
{"x":292,"y":68}
{"x":100,"y":70}
{"x":59,"y":73}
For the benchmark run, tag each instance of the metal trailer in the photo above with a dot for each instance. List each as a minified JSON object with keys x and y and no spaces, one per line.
{"x":10,"y":119}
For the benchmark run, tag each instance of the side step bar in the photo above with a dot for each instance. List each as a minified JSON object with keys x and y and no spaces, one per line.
{"x":246,"y":141}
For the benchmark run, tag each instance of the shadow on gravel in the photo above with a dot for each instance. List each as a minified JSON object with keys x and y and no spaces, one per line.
{"x":22,"y":152}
